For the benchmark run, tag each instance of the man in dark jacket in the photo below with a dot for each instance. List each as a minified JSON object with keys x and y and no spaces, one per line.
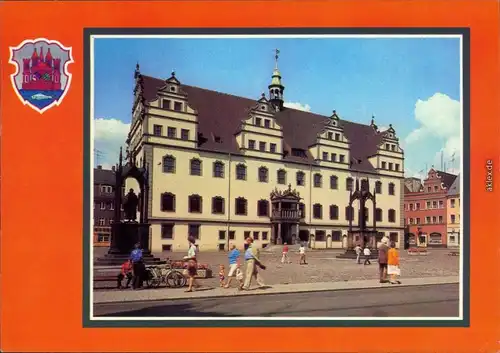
{"x":382,"y":260}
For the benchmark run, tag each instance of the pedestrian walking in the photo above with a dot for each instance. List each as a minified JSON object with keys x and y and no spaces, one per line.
{"x":234,"y":258}
{"x":192,"y":264}
{"x":367,"y":253}
{"x":393,"y":267}
{"x":382,"y":260}
{"x":284,"y":254}
{"x":125,"y":272}
{"x":358,"y":253}
{"x":302,"y":254}
{"x":222,"y":275}
{"x":253,"y":263}
{"x":138,"y":268}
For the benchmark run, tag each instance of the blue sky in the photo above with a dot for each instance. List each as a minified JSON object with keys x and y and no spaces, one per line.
{"x":411,"y":83}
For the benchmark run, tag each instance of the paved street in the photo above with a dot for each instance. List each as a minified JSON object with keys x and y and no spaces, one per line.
{"x":323,"y":266}
{"x":412,"y":301}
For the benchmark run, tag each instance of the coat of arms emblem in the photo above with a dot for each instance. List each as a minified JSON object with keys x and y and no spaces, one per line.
{"x":41,"y":79}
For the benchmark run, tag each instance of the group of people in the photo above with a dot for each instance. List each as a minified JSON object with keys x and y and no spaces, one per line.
{"x":388,"y":260}
{"x":302,"y":254}
{"x":253,"y":265}
{"x":133,"y":269}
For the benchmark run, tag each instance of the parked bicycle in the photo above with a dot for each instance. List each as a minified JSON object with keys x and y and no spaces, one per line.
{"x":157,"y":275}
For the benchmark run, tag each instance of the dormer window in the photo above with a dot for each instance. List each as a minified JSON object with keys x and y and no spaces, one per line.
{"x":267,"y":123}
{"x":258,"y":121}
{"x":177,"y":106}
{"x":334,"y":123}
{"x":387,"y":146}
{"x":165,"y":104}
{"x":337,"y":137}
{"x":172,"y":88}
{"x":263,"y":107}
{"x":393,"y":147}
{"x":330,"y":135}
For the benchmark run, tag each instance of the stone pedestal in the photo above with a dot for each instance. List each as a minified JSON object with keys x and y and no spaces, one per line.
{"x":368,"y":237}
{"x":124,"y":235}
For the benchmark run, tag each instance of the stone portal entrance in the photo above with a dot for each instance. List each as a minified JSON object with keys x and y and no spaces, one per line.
{"x":285,"y":216}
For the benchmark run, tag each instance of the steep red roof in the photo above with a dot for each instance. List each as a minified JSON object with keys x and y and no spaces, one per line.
{"x":220,"y":115}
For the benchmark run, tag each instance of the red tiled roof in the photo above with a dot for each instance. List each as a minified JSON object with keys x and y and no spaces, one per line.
{"x":220,"y":115}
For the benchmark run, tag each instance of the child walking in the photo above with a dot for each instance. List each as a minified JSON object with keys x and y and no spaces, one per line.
{"x":239,"y":277}
{"x":393,"y":269}
{"x":222,"y":275}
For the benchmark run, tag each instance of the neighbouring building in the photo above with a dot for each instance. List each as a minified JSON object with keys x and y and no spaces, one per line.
{"x":223,"y":168}
{"x":425,"y":210}
{"x":104,"y":204}
{"x":413,"y":184}
{"x":453,"y":211}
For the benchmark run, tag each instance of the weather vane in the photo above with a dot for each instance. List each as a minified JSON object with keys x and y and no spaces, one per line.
{"x":277,"y":51}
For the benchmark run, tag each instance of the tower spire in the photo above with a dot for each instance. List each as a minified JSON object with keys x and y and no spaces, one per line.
{"x":276,"y":88}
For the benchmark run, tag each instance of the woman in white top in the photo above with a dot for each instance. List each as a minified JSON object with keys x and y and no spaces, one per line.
{"x":302,"y":253}
{"x":192,"y":264}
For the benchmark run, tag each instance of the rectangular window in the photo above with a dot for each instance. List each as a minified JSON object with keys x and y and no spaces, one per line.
{"x":166,"y":247}
{"x":251,"y":144}
{"x":246,"y":234}
{"x":157,"y":130}
{"x":434,"y":204}
{"x":194,"y":231}
{"x":232,"y":235}
{"x":222,"y":234}
{"x":387,"y":146}
{"x":384,"y":164}
{"x":330,"y":135}
{"x":452,"y":218}
{"x":418,"y":220}
{"x":165,"y":104}
{"x":255,"y":235}
{"x":440,"y":219}
{"x":434,"y":219}
{"x":411,"y":207}
{"x":185,"y":134}
{"x":390,"y":166}
{"x":262,"y":146}
{"x":171,"y":132}
{"x":441,"y":204}
{"x":167,"y":231}
{"x":177,"y":106}
{"x":427,"y":220}
{"x":334,"y":157}
{"x":428,"y":204}
{"x":325,"y":156}
{"x":417,"y":206}
{"x":222,"y":247}
{"x":258,"y":121}
{"x":342,"y":158}
{"x":272,"y":148}
{"x":264,"y":235}
{"x":452,"y":203}
{"x":396,"y":167}
{"x":336,"y":235}
{"x":267,"y":123}
{"x":337,"y":137}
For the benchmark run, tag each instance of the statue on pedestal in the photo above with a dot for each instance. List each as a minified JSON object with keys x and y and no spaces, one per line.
{"x":130,"y":206}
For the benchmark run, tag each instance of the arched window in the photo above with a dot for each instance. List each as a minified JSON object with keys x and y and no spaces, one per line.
{"x":334,"y":182}
{"x":195,"y":167}
{"x":378,"y":187}
{"x":318,"y":180}
{"x":365,"y":185}
{"x":241,"y":172}
{"x":263,"y":208}
{"x":263,"y":175}
{"x":168,"y":202}
{"x":218,"y":169}
{"x":169,"y":164}
{"x":317,"y":211}
{"x":392,"y":216}
{"x":281,"y":176}
{"x":391,"y":189}
{"x":334,"y":212}
{"x":194,"y":204}
{"x":300,"y":178}
{"x":378,"y":215}
{"x":218,"y":205}
{"x":349,"y":184}
{"x":240,"y":206}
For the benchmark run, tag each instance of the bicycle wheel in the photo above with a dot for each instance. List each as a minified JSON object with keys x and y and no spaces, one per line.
{"x":175,"y":279}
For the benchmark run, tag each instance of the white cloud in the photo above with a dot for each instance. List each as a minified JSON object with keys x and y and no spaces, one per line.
{"x":439,"y":119}
{"x":109,"y":136}
{"x":298,"y":106}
